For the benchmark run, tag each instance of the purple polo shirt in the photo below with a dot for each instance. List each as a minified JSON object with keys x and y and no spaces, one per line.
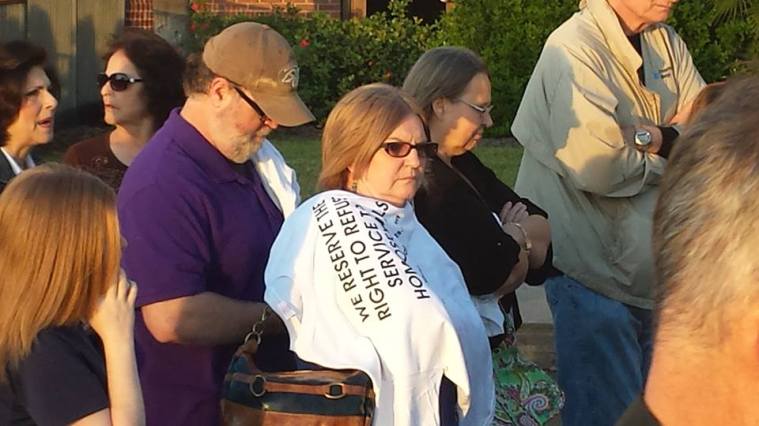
{"x":192,"y":224}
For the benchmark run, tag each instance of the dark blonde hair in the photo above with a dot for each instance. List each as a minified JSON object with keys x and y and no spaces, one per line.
{"x":706,"y":223}
{"x":61,"y":249}
{"x":442,"y":72}
{"x":356,"y":128}
{"x":705,"y":97}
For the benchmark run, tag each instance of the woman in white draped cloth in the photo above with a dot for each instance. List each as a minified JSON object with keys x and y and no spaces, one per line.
{"x":361,"y":284}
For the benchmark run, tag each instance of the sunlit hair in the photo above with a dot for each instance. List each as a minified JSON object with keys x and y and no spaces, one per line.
{"x":197,"y":77}
{"x":706,"y":223}
{"x":17,"y":58}
{"x":442,"y":73}
{"x":356,"y":128}
{"x":706,"y":97}
{"x":61,"y":249}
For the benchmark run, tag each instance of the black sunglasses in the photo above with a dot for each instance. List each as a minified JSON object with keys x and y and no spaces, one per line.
{"x":119,"y":81}
{"x":400,"y":149}
{"x":252,"y":103}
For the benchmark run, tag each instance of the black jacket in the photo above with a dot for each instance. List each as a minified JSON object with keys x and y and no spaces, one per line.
{"x":462,"y":221}
{"x":6,"y":172}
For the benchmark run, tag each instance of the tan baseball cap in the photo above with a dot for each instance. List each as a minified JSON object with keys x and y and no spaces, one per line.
{"x":259,"y":59}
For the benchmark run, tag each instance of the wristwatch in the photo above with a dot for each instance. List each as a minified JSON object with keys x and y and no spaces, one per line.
{"x":643,"y":138}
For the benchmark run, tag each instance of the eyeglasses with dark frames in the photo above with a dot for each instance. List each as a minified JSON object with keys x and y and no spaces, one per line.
{"x":400,"y":149}
{"x":119,"y":81}
{"x":481,"y":109}
{"x":251,"y":102}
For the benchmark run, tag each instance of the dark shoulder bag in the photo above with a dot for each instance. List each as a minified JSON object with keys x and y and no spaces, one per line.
{"x":303,"y":397}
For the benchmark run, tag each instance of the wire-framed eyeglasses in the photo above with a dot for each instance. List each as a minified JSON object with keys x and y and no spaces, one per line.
{"x":481,"y":109}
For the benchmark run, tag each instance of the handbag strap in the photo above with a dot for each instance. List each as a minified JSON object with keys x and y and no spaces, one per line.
{"x":253,"y":339}
{"x":257,"y":331}
{"x":333,"y":390}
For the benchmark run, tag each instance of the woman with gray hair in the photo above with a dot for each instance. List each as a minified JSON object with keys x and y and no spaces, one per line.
{"x":498,"y":239}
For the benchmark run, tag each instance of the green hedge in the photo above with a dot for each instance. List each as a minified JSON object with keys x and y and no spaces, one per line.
{"x":509,"y":35}
{"x":336,"y":56}
{"x":719,"y":46}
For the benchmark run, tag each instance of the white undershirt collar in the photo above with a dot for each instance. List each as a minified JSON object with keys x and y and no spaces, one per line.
{"x":14,"y":166}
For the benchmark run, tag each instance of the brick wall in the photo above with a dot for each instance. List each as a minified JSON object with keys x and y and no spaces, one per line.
{"x":258,"y":7}
{"x":139,"y":14}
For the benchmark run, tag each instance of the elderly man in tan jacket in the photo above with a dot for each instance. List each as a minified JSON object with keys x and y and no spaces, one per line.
{"x":595,"y":122}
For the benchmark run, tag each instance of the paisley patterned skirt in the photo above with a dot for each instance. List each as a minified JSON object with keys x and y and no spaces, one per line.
{"x":525,"y":394}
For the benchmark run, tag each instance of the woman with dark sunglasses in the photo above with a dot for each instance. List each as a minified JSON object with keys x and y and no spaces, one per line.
{"x":361,"y":285}
{"x":27,"y":106}
{"x":142,"y":82}
{"x":498,"y":239}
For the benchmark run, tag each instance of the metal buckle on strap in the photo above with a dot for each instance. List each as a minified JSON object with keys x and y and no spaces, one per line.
{"x":258,"y":386}
{"x":335,"y":391}
{"x":258,"y":328}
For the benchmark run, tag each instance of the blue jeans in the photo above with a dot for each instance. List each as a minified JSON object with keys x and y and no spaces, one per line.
{"x":603,"y":350}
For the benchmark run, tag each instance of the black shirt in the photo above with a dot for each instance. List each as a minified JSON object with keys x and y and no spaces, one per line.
{"x":6,"y":172}
{"x":636,"y":43}
{"x":461,"y":219}
{"x":62,"y":380}
{"x":638,"y":414}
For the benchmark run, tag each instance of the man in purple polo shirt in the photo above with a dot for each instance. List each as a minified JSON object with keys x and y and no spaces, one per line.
{"x":198,"y":218}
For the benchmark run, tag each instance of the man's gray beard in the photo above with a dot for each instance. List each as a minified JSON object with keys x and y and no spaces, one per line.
{"x":242,"y":146}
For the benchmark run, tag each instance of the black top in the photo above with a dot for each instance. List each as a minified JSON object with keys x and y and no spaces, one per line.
{"x":462,"y":221}
{"x":62,"y":380}
{"x":638,"y":414}
{"x":6,"y":172}
{"x":636,"y":43}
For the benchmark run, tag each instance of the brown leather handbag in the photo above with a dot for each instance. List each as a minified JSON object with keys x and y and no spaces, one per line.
{"x":253,"y":397}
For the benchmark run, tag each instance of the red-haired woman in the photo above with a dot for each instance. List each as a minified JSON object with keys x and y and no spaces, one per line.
{"x":66,"y":310}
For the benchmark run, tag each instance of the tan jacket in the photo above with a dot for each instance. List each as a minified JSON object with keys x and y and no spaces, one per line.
{"x":598,"y":190}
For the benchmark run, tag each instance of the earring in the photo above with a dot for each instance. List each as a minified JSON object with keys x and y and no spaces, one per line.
{"x":354,"y":186}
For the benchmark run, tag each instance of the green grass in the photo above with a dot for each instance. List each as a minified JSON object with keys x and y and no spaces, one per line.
{"x":302,"y":154}
{"x":503,"y":159}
